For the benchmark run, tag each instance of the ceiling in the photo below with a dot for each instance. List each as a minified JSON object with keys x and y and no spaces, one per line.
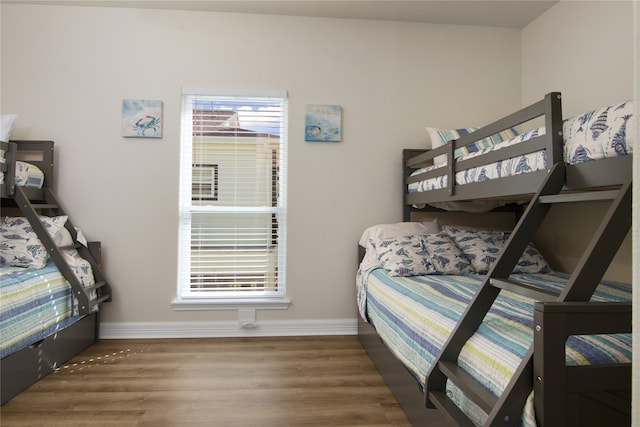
{"x":495,"y":13}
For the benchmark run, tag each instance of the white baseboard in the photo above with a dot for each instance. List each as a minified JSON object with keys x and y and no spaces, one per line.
{"x":222,"y":329}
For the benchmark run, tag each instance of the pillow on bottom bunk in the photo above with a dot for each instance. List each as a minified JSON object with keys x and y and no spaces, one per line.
{"x":482,"y":248}
{"x":19,"y":245}
{"x":457,"y":250}
{"x":397,"y":230}
{"x":414,"y":255}
{"x":405,"y":256}
{"x":445,"y":255}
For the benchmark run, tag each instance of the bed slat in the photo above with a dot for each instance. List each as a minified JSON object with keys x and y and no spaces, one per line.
{"x":524,"y":289}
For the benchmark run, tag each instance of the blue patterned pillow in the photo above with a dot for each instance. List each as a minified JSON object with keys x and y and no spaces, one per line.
{"x":445,"y":255}
{"x":19,"y":245}
{"x":599,"y":134}
{"x":483,"y":247}
{"x":405,"y":256}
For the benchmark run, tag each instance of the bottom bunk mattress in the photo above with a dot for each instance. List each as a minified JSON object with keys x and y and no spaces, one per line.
{"x":35,"y":303}
{"x":415,"y":315}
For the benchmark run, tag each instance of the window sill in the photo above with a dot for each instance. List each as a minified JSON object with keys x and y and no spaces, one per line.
{"x":195,"y":304}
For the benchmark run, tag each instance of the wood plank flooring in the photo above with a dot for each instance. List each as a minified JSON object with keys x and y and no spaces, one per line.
{"x":290,"y":381}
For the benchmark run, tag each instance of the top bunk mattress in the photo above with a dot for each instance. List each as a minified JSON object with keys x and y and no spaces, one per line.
{"x":591,"y":136}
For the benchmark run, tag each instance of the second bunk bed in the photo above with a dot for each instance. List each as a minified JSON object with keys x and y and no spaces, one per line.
{"x":475,"y":316}
{"x":51,"y":282}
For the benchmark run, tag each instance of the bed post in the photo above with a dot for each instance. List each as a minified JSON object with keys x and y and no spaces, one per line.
{"x":585,"y":395}
{"x":553,"y":124}
{"x":407,"y":153}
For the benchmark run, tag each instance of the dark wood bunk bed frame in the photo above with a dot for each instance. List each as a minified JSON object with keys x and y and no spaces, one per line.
{"x":28,"y":365}
{"x":563,"y":395}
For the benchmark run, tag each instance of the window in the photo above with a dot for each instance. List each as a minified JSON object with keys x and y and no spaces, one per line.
{"x":204,"y":182}
{"x":233,"y":198}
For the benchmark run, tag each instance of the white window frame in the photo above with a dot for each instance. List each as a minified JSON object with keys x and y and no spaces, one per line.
{"x":212,"y":169}
{"x":186,"y":299}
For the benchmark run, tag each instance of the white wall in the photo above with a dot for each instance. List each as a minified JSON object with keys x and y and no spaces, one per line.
{"x":583,"y":49}
{"x":65,"y":71}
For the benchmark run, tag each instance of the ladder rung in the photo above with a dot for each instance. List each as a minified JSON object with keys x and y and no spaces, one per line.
{"x":587,"y":196}
{"x":44,"y":206}
{"x":524,"y":290}
{"x":96,"y":285}
{"x":97,"y":301}
{"x":471,"y":388}
{"x":73,"y":246}
{"x":442,"y":402}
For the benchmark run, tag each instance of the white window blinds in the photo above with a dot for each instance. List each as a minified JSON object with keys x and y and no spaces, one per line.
{"x":233,"y":196}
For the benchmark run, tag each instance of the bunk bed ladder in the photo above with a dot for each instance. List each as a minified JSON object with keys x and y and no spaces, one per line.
{"x":51,"y":207}
{"x":506,"y":409}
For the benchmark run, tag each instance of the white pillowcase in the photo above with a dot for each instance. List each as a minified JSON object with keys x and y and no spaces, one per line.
{"x":7,"y":122}
{"x":397,"y":230}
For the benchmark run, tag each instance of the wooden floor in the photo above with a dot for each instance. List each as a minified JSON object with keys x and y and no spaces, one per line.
{"x":292,"y":381}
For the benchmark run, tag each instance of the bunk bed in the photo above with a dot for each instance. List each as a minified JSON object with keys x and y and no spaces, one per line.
{"x":475,"y":317}
{"x":51,"y":279}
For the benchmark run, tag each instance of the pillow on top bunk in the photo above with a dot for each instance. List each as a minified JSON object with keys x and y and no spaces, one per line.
{"x":440,"y":137}
{"x":482,"y":248}
{"x":19,"y":245}
{"x":599,"y":134}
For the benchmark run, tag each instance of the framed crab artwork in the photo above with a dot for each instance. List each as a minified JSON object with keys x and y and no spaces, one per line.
{"x":141,"y":118}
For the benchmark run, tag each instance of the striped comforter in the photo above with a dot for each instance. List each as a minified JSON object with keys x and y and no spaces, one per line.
{"x":415,"y":315}
{"x":33,"y":305}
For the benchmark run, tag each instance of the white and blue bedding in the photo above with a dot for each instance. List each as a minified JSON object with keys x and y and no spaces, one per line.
{"x":416,"y":280}
{"x":414,"y":316}
{"x":35,"y":303}
{"x":591,"y":136}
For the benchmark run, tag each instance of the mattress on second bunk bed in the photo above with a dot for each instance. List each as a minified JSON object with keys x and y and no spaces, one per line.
{"x":415,"y":315}
{"x":35,"y":303}
{"x":416,"y":280}
{"x":590,"y":136}
{"x":35,"y":298}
